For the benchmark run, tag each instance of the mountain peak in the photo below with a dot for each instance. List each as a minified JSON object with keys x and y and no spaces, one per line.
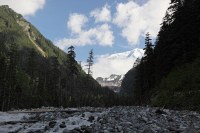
{"x":113,"y":82}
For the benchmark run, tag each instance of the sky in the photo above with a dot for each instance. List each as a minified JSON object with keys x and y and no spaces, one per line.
{"x":106,"y":26}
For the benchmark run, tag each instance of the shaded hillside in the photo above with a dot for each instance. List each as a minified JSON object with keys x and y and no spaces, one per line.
{"x":168,"y":74}
{"x":34,"y":72}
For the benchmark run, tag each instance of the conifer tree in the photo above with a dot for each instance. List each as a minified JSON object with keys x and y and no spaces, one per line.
{"x":71,"y":60}
{"x":148,"y":47}
{"x":90,"y":61}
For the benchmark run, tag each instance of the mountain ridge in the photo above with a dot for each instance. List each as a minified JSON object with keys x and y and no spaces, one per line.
{"x":35,"y":73}
{"x":114,"y":81}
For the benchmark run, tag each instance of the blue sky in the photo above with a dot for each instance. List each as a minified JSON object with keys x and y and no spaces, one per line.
{"x":106,"y":26}
{"x":52,"y":23}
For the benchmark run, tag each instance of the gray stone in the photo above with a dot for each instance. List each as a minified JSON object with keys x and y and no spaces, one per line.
{"x":148,"y":130}
{"x":62,"y":125}
{"x":66,"y":131}
{"x":52,"y":124}
{"x":119,"y":128}
{"x":106,"y":131}
{"x":91,"y":119}
{"x":46,"y":128}
{"x":83,"y":127}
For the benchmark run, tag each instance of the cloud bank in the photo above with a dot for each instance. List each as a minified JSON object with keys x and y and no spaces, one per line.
{"x":24,"y":7}
{"x":133,"y":21}
{"x":100,"y":34}
{"x":136,"y":20}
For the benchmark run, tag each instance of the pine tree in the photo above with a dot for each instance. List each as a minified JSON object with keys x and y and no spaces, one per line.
{"x":90,"y":61}
{"x":71,"y":60}
{"x":148,"y":47}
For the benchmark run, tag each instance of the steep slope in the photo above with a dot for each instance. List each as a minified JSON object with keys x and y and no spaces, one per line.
{"x":26,"y":35}
{"x":169,"y":75}
{"x":34,"y":72}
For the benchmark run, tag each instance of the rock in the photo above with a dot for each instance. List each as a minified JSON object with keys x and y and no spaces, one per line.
{"x":98,"y":118}
{"x":103,"y":121}
{"x":91,"y":119}
{"x":88,"y":130}
{"x":62,"y":125}
{"x":77,"y":129}
{"x":46,"y":128}
{"x":35,"y":131}
{"x":191,"y":130}
{"x":119,"y":128}
{"x":159,"y":111}
{"x":170,"y":120}
{"x":148,"y":130}
{"x":83,"y":115}
{"x":83,"y":127}
{"x":171,"y":129}
{"x":117,"y":118}
{"x":111,"y":129}
{"x":66,"y":131}
{"x":73,"y":123}
{"x":106,"y":131}
{"x":52,"y":124}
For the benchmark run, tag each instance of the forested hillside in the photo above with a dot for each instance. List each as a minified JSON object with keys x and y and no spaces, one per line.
{"x":35,"y":73}
{"x":169,"y":73}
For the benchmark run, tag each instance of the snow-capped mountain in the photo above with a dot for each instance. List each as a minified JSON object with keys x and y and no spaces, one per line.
{"x":112,"y":68}
{"x":118,"y":63}
{"x":113,"y":82}
{"x":133,"y":54}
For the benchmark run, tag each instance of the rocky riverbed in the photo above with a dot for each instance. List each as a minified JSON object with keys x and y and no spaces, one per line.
{"x":100,"y":120}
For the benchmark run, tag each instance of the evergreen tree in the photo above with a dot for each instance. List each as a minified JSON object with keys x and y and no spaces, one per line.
{"x":71,"y":60}
{"x":148,"y":48}
{"x":90,"y":61}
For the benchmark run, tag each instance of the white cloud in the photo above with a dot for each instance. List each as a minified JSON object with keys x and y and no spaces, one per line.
{"x":24,"y":7}
{"x":100,"y":34}
{"x":135,"y":20}
{"x":118,"y":63}
{"x":76,"y":22}
{"x":102,"y":15}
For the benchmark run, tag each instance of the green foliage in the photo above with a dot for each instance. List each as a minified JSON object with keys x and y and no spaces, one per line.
{"x":10,"y":24}
{"x":180,"y":89}
{"x":35,"y":73}
{"x":168,"y":75}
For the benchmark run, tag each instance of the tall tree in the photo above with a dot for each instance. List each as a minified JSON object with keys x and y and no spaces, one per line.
{"x":90,"y":61}
{"x":148,"y":47}
{"x":71,"y":60}
{"x":144,"y":79}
